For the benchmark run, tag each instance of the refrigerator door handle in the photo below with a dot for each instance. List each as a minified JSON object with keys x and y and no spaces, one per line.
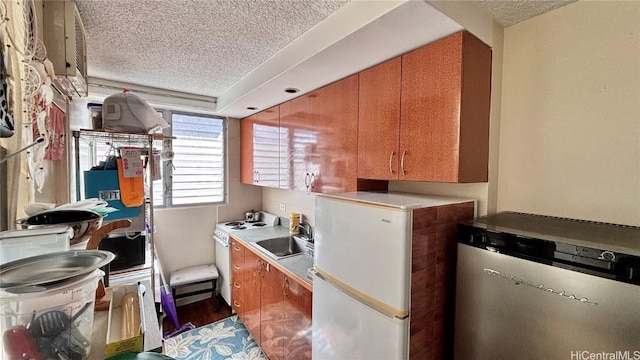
{"x":365,"y":300}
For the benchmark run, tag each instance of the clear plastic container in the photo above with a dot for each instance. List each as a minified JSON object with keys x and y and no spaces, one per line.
{"x":51,"y":321}
{"x":19,"y":244}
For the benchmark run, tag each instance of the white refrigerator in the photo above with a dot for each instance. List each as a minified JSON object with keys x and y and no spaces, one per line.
{"x":361,"y":286}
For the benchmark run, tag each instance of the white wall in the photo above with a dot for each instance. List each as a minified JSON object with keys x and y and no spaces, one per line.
{"x":183,"y":236}
{"x":294,"y":201}
{"x":570,"y":128}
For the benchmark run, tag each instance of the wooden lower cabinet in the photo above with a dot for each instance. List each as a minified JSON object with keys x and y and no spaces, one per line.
{"x":271,"y":313}
{"x":275,"y":308}
{"x":252,"y":294}
{"x":297,"y":321}
{"x":237,"y":277}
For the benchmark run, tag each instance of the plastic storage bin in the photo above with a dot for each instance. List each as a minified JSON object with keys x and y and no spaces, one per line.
{"x":49,"y":322}
{"x":127,"y":112}
{"x":19,"y":244}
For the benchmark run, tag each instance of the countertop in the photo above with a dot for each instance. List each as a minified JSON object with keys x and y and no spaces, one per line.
{"x":405,"y":201}
{"x":294,"y":266}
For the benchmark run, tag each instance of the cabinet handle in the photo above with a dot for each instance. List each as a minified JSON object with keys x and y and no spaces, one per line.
{"x":285,"y":287}
{"x":257,"y":176}
{"x":307,"y":180}
{"x":402,"y":162}
{"x":259,"y":267}
{"x":236,"y":285}
{"x":235,"y":266}
{"x":236,"y":248}
{"x":236,"y":304}
{"x":313,"y":180}
{"x":390,"y":161}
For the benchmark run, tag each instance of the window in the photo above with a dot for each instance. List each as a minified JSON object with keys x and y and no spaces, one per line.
{"x":196,"y":173}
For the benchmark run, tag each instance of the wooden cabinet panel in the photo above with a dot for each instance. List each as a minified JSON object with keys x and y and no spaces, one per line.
{"x":318,"y":139}
{"x":297,"y":321}
{"x":275,"y":309}
{"x":433,"y":265}
{"x":252,"y":293}
{"x":237,"y":277}
{"x":259,"y":148}
{"x":379,"y":121}
{"x":271,"y":315}
{"x":297,"y":145}
{"x":444,"y":130}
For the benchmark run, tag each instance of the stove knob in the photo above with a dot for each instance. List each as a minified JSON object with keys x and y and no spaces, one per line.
{"x":607,"y":256}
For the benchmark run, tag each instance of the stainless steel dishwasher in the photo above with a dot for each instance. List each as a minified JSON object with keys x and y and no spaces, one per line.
{"x":539,"y":287}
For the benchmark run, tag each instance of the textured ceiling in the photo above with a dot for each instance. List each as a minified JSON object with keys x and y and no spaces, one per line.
{"x":194,"y":46}
{"x":509,"y":12}
{"x":204,"y":47}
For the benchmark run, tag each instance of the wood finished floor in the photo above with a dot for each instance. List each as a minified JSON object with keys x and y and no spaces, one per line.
{"x":199,"y":314}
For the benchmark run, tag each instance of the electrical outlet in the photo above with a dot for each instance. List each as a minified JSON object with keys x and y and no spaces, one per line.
{"x":283,"y":207}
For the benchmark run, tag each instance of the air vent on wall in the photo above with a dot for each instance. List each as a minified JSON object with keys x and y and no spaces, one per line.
{"x":64,"y":38}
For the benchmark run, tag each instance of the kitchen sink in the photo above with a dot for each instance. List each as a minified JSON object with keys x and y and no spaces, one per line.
{"x":281,"y":247}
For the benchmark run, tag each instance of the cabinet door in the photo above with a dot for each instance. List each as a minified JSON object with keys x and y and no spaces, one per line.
{"x":298,"y":143}
{"x":271,"y":315}
{"x":237,"y":277}
{"x":297,"y":321}
{"x":259,"y":148}
{"x":319,"y":139}
{"x":436,"y":125}
{"x":379,"y":121}
{"x":251,"y":291}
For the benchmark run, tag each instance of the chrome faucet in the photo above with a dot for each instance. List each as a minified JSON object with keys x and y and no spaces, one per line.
{"x":305,"y":230}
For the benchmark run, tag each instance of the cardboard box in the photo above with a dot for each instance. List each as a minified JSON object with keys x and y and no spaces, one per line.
{"x":115,"y":344}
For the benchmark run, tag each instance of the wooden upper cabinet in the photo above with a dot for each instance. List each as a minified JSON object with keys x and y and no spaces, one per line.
{"x":318,"y":139}
{"x":297,"y":144}
{"x":379,"y":121}
{"x":259,"y":148}
{"x":445,"y":100}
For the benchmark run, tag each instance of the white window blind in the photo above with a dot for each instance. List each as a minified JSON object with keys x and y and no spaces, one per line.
{"x":195,"y":175}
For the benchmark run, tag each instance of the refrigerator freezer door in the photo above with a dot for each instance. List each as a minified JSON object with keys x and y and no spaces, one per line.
{"x":344,"y":328}
{"x":367,"y":248}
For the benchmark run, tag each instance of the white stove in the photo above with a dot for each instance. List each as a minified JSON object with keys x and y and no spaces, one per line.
{"x":222,"y":230}
{"x":223,"y":254}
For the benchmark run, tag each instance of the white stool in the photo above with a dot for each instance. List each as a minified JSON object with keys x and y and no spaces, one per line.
{"x":193,"y":275}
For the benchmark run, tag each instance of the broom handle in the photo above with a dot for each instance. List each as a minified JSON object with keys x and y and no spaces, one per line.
{"x":164,"y":281}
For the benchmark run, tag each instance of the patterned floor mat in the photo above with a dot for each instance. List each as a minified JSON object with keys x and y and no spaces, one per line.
{"x":227,"y":339}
